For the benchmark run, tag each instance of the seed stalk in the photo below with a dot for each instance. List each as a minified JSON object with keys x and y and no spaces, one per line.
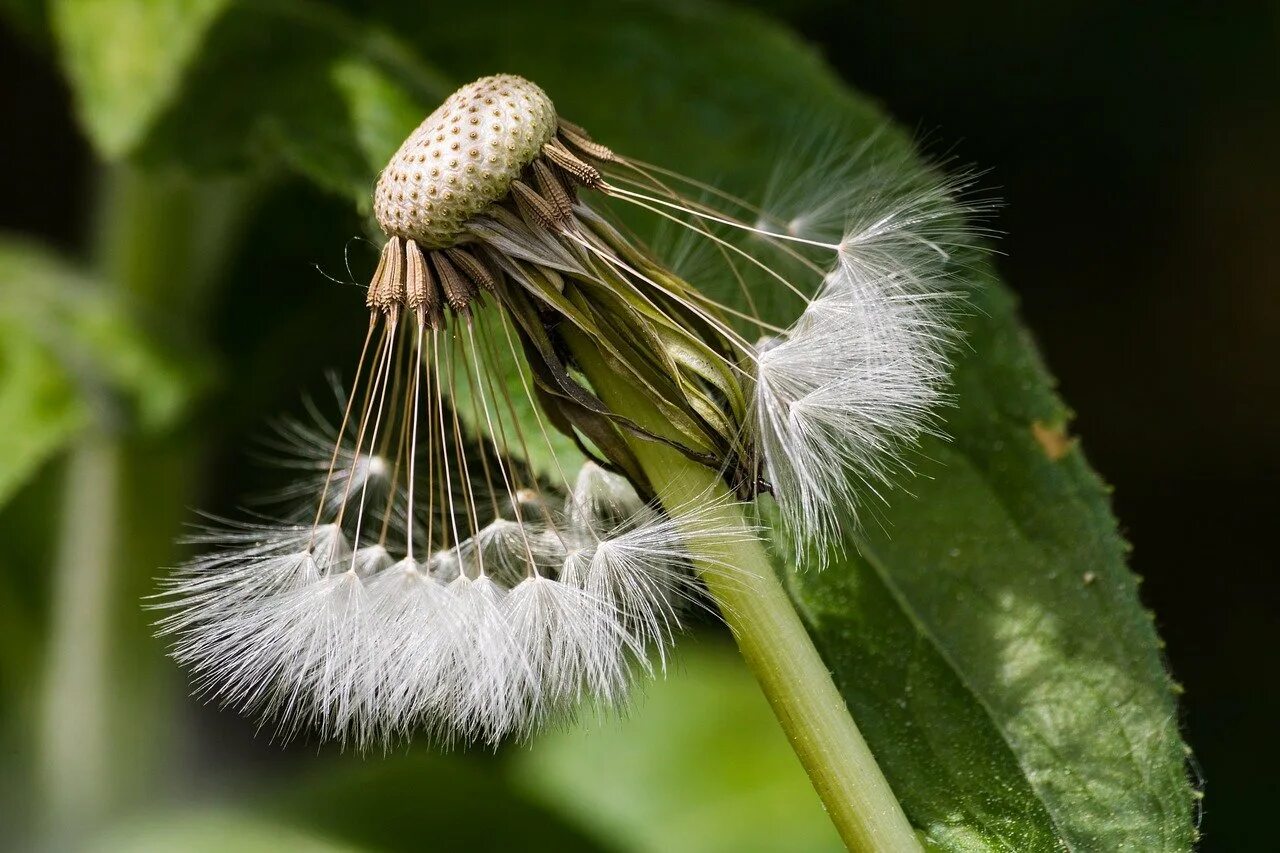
{"x":769,"y":633}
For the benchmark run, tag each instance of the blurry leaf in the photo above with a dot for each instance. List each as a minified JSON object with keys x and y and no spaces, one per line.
{"x":698,"y":765}
{"x":212,"y":832}
{"x":263,"y":84}
{"x":70,"y":352}
{"x":382,"y":112}
{"x":29,"y":18}
{"x":39,"y":410}
{"x":991,"y":644}
{"x":125,"y":59}
{"x":217,"y":87}
{"x":299,"y":83}
{"x":416,"y":802}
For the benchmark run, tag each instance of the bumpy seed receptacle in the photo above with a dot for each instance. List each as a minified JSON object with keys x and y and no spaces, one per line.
{"x":462,"y":158}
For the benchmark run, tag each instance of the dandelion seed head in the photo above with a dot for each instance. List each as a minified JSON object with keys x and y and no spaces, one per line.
{"x":435,"y":566}
{"x":600,"y":497}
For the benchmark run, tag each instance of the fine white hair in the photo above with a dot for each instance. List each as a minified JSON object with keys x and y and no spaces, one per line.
{"x":845,"y":393}
{"x":293,"y":624}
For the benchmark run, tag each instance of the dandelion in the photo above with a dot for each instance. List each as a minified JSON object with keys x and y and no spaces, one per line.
{"x":425,"y":575}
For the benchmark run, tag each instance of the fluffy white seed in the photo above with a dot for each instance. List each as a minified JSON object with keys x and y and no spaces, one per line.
{"x":294,"y":625}
{"x":486,"y":676}
{"x":574,"y":644}
{"x":412,"y":613}
{"x":854,"y":384}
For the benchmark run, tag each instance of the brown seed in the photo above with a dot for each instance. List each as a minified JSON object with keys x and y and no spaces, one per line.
{"x":457,"y":288}
{"x":420,"y":288}
{"x":579,"y":169}
{"x":473,"y":268}
{"x":386,"y":290}
{"x":552,"y":189}
{"x":577,"y":138}
{"x":533,"y":206}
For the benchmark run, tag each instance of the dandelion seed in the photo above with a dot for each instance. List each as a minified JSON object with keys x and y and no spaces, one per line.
{"x":425,"y":576}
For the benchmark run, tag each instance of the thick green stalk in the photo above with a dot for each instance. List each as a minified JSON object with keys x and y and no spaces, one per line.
{"x":770,"y":635}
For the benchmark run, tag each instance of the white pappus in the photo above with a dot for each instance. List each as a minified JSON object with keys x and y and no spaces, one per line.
{"x":292,"y":624}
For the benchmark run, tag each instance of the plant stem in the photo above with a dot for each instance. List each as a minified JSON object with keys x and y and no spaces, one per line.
{"x":769,"y":634}
{"x":73,"y":740}
{"x":157,"y":243}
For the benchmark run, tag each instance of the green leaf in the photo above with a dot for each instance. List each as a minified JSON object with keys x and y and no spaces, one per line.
{"x":382,"y":112}
{"x":125,"y":60}
{"x":296,"y":83}
{"x":39,"y":409}
{"x":991,"y":642}
{"x":1008,"y":563}
{"x":395,"y":803}
{"x":70,"y":352}
{"x":698,"y":766}
{"x":28,"y":18}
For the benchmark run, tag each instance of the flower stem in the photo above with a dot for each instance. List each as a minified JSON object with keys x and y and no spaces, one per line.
{"x":769,"y":634}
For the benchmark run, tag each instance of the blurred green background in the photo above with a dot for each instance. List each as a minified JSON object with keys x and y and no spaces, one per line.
{"x":1135,"y":149}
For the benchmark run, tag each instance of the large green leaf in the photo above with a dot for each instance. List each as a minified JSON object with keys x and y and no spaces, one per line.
{"x":218,"y":86}
{"x":1008,"y":562}
{"x":300,"y":83}
{"x":70,"y":351}
{"x":988,"y":635}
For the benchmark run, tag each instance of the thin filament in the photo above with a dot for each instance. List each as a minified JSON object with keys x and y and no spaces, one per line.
{"x":342,"y":429}
{"x":413,"y":438}
{"x":373,"y":438}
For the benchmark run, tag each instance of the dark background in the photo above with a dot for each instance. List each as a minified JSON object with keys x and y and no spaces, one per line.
{"x":1137,"y":151}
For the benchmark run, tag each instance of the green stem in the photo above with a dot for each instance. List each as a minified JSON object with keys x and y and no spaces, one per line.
{"x":74,"y":737}
{"x":769,"y":634}
{"x":157,"y":242}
